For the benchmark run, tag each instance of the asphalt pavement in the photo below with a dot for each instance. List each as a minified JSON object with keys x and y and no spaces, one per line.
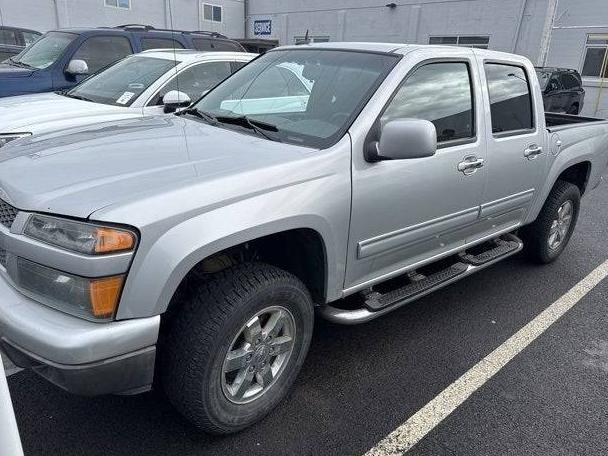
{"x":360,"y":383}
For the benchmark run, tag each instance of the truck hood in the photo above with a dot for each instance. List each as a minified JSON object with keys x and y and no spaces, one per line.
{"x":81,"y":170}
{"x":46,"y":112}
{"x":12,"y":71}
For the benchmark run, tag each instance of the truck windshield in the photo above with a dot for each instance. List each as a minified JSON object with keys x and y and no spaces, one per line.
{"x":122,"y":83}
{"x":543,"y":78}
{"x":46,"y":51}
{"x":300,"y":96}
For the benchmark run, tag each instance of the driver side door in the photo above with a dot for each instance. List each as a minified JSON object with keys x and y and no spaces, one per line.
{"x":409,"y":211}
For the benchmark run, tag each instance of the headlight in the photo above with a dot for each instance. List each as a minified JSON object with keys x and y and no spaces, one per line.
{"x":95,"y":299}
{"x":79,"y":237}
{"x":5,"y":138}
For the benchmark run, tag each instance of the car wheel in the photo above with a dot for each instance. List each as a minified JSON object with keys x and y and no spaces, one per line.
{"x":546,"y":238}
{"x":236,"y":345}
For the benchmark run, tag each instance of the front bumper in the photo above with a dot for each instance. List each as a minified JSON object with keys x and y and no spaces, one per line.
{"x":81,"y":356}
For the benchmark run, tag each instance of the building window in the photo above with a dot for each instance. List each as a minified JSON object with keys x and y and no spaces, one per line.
{"x":480,"y":42}
{"x":311,"y":39}
{"x":595,"y":64}
{"x":212,"y":13}
{"x":124,"y":4}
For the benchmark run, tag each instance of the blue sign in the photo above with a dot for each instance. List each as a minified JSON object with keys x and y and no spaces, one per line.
{"x":262,"y":27}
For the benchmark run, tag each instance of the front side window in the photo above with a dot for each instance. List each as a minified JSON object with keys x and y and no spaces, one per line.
{"x":309,"y":97}
{"x":30,"y":37}
{"x":160,"y":43}
{"x":46,"y":51}
{"x":510,"y":99}
{"x":100,"y":51}
{"x":450,"y":108}
{"x":595,"y":64}
{"x":122,"y":83}
{"x":196,"y":80}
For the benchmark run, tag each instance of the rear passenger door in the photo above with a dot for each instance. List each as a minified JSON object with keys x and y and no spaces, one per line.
{"x":516,"y":157}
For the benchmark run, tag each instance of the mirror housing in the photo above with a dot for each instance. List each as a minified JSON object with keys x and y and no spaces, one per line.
{"x":77,"y":67}
{"x":174,"y":99}
{"x":404,"y":139}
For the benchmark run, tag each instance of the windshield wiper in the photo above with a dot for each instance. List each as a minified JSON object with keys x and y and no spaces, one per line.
{"x":200,"y":114}
{"x":76,"y":97}
{"x":256,"y":125}
{"x":20,"y":64}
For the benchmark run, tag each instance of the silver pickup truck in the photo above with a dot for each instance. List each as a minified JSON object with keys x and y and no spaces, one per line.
{"x":192,"y":251}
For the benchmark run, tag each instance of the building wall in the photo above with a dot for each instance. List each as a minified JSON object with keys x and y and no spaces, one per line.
{"x":512,"y":25}
{"x":574,"y":20}
{"x":46,"y":15}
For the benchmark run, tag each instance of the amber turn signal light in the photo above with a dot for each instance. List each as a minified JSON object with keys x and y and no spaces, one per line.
{"x":104,"y":295}
{"x":112,"y":240}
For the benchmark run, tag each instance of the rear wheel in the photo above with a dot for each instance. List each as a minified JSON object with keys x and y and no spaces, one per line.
{"x":546,"y":238}
{"x":236,"y":346}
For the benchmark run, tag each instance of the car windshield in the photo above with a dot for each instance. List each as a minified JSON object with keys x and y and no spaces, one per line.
{"x":543,"y":78}
{"x":46,"y":51}
{"x":122,"y":83}
{"x":300,"y":96}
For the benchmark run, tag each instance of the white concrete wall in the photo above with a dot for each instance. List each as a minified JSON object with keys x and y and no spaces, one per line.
{"x":512,"y":25}
{"x":46,"y":15}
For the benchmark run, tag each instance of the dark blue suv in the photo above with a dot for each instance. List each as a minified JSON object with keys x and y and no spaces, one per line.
{"x":61,"y":59}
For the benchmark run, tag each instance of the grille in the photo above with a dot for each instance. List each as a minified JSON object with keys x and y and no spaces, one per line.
{"x":7,"y":213}
{"x":3,"y":258}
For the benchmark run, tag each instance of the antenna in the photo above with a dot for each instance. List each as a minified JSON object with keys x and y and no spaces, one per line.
{"x":173,"y":42}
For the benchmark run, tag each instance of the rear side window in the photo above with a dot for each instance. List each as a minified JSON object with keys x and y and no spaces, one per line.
{"x":206,"y":44}
{"x":450,"y":108}
{"x":160,"y":43}
{"x":510,"y":99}
{"x":8,"y":37}
{"x":100,"y":51}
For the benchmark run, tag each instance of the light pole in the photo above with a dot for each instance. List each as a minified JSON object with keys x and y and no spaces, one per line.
{"x":9,"y":434}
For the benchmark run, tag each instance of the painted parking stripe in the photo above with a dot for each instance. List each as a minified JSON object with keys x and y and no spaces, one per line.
{"x":9,"y":367}
{"x":428,"y":417}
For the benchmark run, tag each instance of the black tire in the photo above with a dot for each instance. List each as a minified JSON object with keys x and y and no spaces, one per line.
{"x":536,"y":235}
{"x":203,"y":330}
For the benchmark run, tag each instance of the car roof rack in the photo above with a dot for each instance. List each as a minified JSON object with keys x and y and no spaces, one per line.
{"x":211,"y":34}
{"x":135,"y":26}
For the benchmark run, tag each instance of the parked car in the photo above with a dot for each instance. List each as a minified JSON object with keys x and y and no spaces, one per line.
{"x":14,"y":39}
{"x":562,"y":89}
{"x":61,"y":59}
{"x":196,"y":248}
{"x":148,"y":83}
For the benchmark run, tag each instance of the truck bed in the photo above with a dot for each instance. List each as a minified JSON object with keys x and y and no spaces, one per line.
{"x":557,"y":121}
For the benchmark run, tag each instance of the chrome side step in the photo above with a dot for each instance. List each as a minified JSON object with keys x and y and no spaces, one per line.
{"x":377,"y":304}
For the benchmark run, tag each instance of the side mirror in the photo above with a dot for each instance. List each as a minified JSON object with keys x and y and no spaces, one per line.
{"x":175,"y":99}
{"x":77,"y":67}
{"x":403,"y":139}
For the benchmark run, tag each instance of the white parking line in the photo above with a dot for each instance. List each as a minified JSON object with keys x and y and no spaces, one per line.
{"x":428,"y":417}
{"x":9,"y":367}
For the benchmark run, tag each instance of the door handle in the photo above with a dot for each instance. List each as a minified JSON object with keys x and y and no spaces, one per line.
{"x":533,"y":151}
{"x":470,"y":164}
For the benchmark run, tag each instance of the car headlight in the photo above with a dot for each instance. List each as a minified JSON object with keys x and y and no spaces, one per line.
{"x":81,"y":237}
{"x":92,"y":299}
{"x":5,"y":138}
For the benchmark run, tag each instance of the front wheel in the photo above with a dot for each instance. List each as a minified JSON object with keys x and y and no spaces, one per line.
{"x":546,"y":238}
{"x":236,"y":346}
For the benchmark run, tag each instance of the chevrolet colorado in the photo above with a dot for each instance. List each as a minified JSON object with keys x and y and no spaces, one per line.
{"x":192,"y":251}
